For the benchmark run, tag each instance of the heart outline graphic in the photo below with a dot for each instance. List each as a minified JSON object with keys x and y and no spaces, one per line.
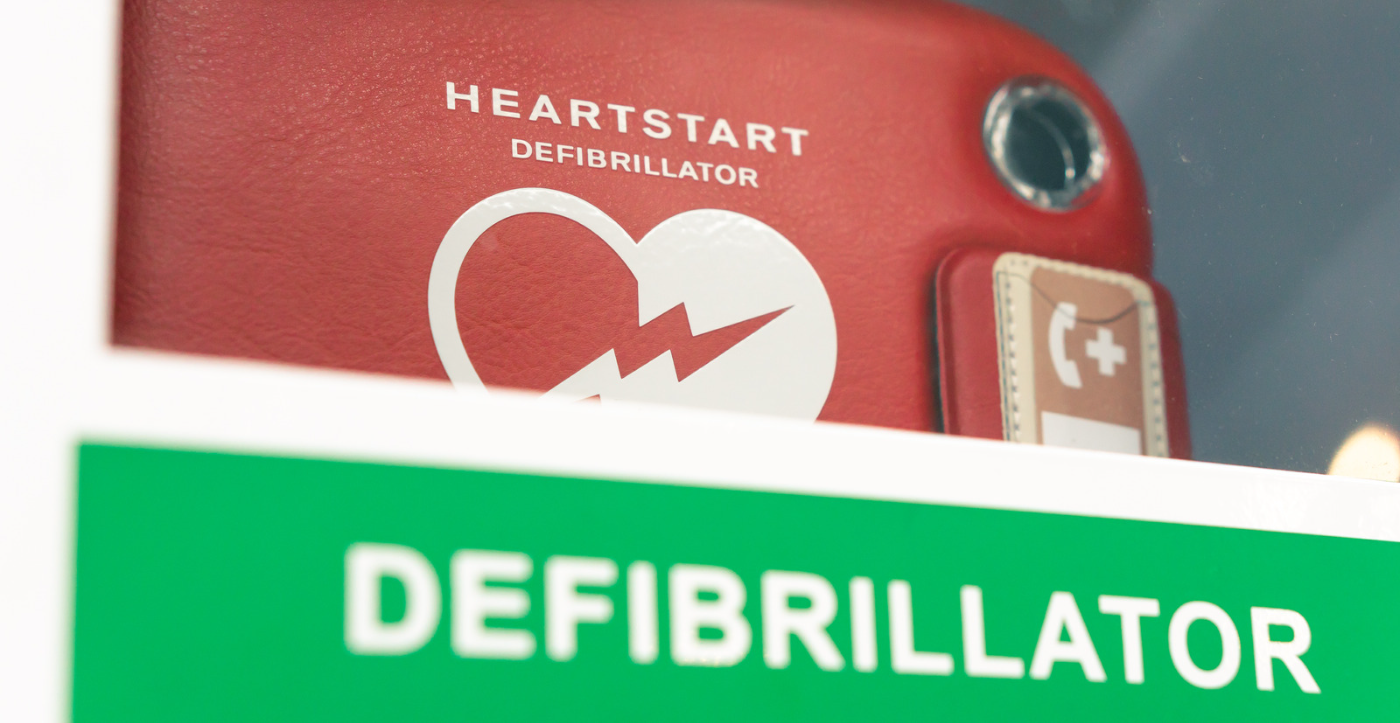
{"x":724,"y":267}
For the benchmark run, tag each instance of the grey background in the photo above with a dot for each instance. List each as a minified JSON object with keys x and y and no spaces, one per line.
{"x":1269,"y":134}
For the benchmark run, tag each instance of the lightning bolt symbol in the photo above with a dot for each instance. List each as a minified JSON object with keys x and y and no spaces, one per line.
{"x":655,"y":357}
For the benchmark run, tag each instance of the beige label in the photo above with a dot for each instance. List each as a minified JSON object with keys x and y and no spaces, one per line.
{"x":1080,"y":357}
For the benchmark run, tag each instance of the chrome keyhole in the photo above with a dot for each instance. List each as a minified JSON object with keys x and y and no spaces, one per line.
{"x":1044,"y":143}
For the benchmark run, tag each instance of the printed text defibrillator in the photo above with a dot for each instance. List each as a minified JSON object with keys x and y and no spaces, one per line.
{"x":709,"y":626}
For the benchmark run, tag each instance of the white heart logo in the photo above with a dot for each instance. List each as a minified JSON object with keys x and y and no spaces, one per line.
{"x":721,"y":268}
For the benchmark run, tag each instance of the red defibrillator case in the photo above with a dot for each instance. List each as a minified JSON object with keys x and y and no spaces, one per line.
{"x":911,"y":215}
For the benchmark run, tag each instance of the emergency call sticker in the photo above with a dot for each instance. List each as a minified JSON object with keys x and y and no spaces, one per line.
{"x":1080,"y":357}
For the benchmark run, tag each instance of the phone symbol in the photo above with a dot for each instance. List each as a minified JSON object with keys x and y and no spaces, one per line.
{"x":1061,"y":322}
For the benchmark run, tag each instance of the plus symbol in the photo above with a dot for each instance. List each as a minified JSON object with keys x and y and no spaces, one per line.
{"x":1106,"y":352}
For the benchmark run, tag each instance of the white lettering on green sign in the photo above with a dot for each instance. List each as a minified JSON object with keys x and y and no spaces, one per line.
{"x":707,"y":597}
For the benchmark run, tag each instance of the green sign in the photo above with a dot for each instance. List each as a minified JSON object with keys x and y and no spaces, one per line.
{"x":217,"y":587}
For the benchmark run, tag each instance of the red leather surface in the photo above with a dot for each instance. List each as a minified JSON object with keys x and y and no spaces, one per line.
{"x":289,"y":168}
{"x":541,"y":287}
